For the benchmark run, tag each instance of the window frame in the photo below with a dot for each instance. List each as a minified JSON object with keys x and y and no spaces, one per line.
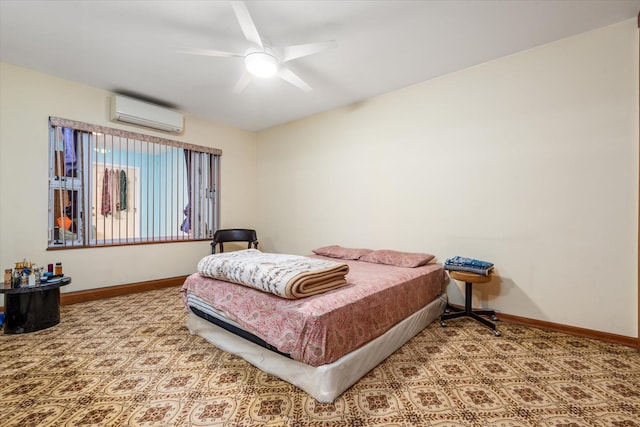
{"x":83,"y":183}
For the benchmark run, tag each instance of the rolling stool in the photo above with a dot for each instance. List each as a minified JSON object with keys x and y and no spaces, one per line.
{"x":469,"y":279}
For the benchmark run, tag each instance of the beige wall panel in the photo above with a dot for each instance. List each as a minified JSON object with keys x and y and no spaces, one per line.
{"x":529,"y":161}
{"x":28,"y":99}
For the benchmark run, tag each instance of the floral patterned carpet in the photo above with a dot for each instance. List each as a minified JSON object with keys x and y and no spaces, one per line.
{"x":129,"y":361}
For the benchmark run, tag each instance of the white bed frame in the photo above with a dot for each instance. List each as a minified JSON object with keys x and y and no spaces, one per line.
{"x":326,"y":382}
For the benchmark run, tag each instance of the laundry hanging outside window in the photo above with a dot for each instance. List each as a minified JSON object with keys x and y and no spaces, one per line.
{"x":114,"y":192}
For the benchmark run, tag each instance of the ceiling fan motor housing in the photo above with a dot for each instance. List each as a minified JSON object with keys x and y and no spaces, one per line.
{"x":261,"y":64}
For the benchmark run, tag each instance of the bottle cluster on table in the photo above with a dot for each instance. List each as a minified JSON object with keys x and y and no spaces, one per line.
{"x":26,"y":273}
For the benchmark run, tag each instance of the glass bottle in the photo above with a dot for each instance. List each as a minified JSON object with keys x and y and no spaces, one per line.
{"x":17,"y":278}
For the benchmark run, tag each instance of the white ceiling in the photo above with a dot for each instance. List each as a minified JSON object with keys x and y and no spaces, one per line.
{"x":133,"y":47}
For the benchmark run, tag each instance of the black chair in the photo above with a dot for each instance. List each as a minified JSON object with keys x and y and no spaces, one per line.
{"x":234,"y":235}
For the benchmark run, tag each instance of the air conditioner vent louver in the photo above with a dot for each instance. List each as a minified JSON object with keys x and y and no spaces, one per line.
{"x":133,"y":111}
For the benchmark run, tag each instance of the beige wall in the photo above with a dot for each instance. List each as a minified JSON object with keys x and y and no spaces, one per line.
{"x":27,"y":100}
{"x":530,"y":161}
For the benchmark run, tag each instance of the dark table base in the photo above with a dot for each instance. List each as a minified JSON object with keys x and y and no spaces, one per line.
{"x":32,"y":311}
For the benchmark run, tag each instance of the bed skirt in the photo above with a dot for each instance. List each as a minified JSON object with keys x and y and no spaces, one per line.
{"x":325,"y":382}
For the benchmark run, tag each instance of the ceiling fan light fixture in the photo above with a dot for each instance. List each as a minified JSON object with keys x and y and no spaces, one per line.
{"x":261,"y":64}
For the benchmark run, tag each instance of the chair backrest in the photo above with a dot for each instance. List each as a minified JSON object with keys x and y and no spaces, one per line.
{"x":234,"y":235}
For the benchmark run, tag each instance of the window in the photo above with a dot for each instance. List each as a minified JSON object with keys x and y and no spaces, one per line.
{"x":113,"y":187}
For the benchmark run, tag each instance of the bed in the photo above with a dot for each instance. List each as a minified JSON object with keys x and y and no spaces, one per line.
{"x":326,"y":342}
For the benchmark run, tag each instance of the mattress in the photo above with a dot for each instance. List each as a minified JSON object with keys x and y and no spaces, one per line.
{"x":325,"y":383}
{"x":320,"y":329}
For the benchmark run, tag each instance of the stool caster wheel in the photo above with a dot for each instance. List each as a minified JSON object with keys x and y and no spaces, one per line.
{"x":443,"y":324}
{"x":497,"y":333}
{"x":494,"y":318}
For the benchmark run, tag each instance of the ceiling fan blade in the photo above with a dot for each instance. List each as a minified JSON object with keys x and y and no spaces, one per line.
{"x":246,"y":23}
{"x":290,"y":77}
{"x":242,"y":83}
{"x":287,"y":53}
{"x":208,"y":52}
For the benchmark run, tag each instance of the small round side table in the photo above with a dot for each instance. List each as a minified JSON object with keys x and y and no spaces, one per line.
{"x":32,"y":308}
{"x":469,"y":279}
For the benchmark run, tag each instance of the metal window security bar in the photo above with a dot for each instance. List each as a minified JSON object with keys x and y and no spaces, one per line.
{"x":113,"y":187}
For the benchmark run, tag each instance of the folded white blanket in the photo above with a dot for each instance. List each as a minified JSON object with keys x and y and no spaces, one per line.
{"x":288,"y":276}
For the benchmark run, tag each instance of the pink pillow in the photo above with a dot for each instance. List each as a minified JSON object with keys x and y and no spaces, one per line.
{"x":399,"y":259}
{"x":335,"y":251}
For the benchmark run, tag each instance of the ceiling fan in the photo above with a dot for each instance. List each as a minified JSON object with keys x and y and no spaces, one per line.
{"x":261,"y":59}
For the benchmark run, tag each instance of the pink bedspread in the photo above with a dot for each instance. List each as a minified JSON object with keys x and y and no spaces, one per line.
{"x":322,"y":328}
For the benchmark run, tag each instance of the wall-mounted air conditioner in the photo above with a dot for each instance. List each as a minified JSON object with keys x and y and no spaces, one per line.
{"x":141,"y":113}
